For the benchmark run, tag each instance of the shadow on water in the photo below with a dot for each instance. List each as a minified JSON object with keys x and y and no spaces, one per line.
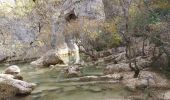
{"x":50,"y":89}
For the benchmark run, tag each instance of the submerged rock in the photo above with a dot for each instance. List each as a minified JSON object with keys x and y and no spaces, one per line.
{"x":72,"y":71}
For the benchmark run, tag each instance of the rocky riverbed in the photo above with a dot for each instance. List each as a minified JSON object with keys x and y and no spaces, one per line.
{"x":52,"y":85}
{"x":49,"y":85}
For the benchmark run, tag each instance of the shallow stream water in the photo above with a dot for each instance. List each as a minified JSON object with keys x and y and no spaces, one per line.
{"x":49,"y":87}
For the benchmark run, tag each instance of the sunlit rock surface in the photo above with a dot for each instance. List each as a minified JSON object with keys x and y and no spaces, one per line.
{"x":27,"y":35}
{"x":52,"y":57}
{"x":13,"y":70}
{"x":11,"y":84}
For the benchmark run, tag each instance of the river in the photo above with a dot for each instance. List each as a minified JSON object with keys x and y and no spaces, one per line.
{"x":49,"y":87}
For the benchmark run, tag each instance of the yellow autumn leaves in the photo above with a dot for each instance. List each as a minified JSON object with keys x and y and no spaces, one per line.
{"x":97,"y":31}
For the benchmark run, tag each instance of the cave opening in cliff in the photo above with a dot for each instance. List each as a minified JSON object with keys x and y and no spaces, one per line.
{"x":71,"y":16}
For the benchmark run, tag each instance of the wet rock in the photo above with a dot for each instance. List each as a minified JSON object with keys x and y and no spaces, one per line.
{"x":72,"y":71}
{"x":10,"y":85}
{"x":13,"y":70}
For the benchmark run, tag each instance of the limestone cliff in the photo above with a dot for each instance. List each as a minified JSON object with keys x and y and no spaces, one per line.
{"x":28,"y":33}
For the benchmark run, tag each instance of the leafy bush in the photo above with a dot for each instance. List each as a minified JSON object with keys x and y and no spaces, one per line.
{"x":95,"y":34}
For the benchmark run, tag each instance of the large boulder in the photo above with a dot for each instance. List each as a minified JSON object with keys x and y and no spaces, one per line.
{"x":14,"y":69}
{"x":52,"y":57}
{"x":141,"y":62}
{"x":67,"y":53}
{"x":138,"y":83}
{"x":11,"y":83}
{"x":146,"y":79}
{"x":10,"y":87}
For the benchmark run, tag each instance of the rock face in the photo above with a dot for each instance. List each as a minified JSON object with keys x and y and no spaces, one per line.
{"x":29,"y":31}
{"x":73,"y":10}
{"x":93,"y":9}
{"x":10,"y":87}
{"x":65,"y":45}
{"x":112,"y":8}
{"x":2,"y":57}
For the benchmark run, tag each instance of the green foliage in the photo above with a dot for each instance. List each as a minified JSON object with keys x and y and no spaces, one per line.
{"x":108,"y":36}
{"x":99,"y":35}
{"x":148,"y":17}
{"x":153,"y":18}
{"x":105,"y":36}
{"x":150,"y":20}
